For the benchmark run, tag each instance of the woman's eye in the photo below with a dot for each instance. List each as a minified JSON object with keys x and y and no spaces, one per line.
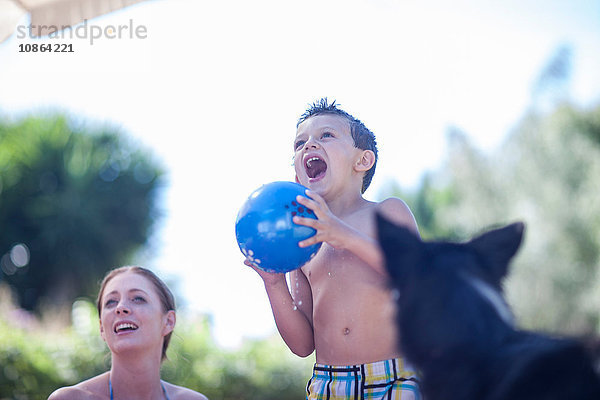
{"x":110,"y":302}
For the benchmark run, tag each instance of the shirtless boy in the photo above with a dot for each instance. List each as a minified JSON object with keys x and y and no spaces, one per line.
{"x":340,"y":305}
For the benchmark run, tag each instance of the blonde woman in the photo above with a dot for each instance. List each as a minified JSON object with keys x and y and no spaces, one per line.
{"x":137,"y":318}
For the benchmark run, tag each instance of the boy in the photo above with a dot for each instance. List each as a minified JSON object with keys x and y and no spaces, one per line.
{"x":340,"y":305}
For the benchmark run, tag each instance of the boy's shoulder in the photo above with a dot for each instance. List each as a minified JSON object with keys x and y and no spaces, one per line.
{"x":397,"y":211}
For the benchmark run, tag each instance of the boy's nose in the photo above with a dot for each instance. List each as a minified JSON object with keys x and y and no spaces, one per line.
{"x":311,"y":143}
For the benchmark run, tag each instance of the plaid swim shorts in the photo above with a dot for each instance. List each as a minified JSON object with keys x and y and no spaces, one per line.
{"x":385,"y":380}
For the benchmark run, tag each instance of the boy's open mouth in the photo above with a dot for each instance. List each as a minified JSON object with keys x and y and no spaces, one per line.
{"x":315,"y":167}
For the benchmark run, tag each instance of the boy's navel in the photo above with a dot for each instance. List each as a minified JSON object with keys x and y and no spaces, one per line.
{"x":346,"y":331}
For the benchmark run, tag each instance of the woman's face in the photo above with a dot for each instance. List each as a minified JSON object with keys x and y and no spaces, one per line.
{"x":132,"y":317}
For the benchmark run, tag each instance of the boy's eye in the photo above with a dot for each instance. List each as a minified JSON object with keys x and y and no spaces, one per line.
{"x":327,"y":134}
{"x":299,"y":144}
{"x":139,"y":299}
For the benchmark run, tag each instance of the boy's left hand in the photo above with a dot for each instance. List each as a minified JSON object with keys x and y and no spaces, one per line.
{"x":329,"y":228}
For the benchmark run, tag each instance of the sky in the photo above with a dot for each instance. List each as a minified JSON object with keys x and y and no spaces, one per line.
{"x":214,"y":90}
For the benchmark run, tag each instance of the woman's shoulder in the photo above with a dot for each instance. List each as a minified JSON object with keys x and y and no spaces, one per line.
{"x":91,"y":389}
{"x":182,"y":393}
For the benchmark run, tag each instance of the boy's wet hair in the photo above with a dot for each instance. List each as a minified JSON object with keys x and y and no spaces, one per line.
{"x":363,"y":138}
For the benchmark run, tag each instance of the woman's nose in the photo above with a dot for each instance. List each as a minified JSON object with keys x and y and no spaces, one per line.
{"x":122,"y":309}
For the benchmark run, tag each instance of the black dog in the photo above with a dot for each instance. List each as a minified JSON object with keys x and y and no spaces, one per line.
{"x":456,"y":328}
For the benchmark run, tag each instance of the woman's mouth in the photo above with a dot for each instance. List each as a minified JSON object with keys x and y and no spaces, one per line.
{"x":125,"y":327}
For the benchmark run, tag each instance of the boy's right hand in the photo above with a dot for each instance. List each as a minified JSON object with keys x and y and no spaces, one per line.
{"x":269,"y":278}
{"x":330,"y":228}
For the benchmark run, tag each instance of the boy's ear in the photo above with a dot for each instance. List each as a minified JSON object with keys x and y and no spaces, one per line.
{"x":498,"y":246}
{"x":365,"y":162}
{"x":400,"y":246}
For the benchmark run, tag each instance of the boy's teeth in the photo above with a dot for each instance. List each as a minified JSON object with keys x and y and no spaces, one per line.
{"x":315,"y":166}
{"x":310,"y":160}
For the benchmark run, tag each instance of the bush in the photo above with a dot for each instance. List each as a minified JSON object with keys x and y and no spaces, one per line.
{"x":37,"y":356}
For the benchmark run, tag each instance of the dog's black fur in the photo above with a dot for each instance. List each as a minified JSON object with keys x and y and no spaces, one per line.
{"x":465,"y":344}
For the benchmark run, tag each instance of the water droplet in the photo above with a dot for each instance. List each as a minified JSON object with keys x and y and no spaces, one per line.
{"x":295,"y":308}
{"x":300,"y":303}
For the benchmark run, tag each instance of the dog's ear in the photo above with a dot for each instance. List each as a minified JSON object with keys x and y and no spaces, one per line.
{"x":400,"y":246}
{"x":498,"y":246}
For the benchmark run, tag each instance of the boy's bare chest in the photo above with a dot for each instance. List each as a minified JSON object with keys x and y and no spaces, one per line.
{"x":335,"y":266}
{"x":341,"y":264}
{"x":327,"y":261}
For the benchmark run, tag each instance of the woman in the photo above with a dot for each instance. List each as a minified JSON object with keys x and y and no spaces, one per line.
{"x":137,"y":317}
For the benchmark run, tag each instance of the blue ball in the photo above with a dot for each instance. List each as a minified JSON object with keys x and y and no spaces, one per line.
{"x":265,"y":232}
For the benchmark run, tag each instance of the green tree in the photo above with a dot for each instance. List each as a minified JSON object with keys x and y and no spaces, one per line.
{"x":547,"y":175}
{"x":260,"y":369}
{"x":424,"y":200}
{"x":73,"y":204}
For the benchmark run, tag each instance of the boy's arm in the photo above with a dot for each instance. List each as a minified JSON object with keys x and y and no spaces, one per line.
{"x":340,"y":235}
{"x":291,"y":314}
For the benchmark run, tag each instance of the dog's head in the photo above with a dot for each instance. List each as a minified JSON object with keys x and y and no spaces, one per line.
{"x":449,"y":294}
